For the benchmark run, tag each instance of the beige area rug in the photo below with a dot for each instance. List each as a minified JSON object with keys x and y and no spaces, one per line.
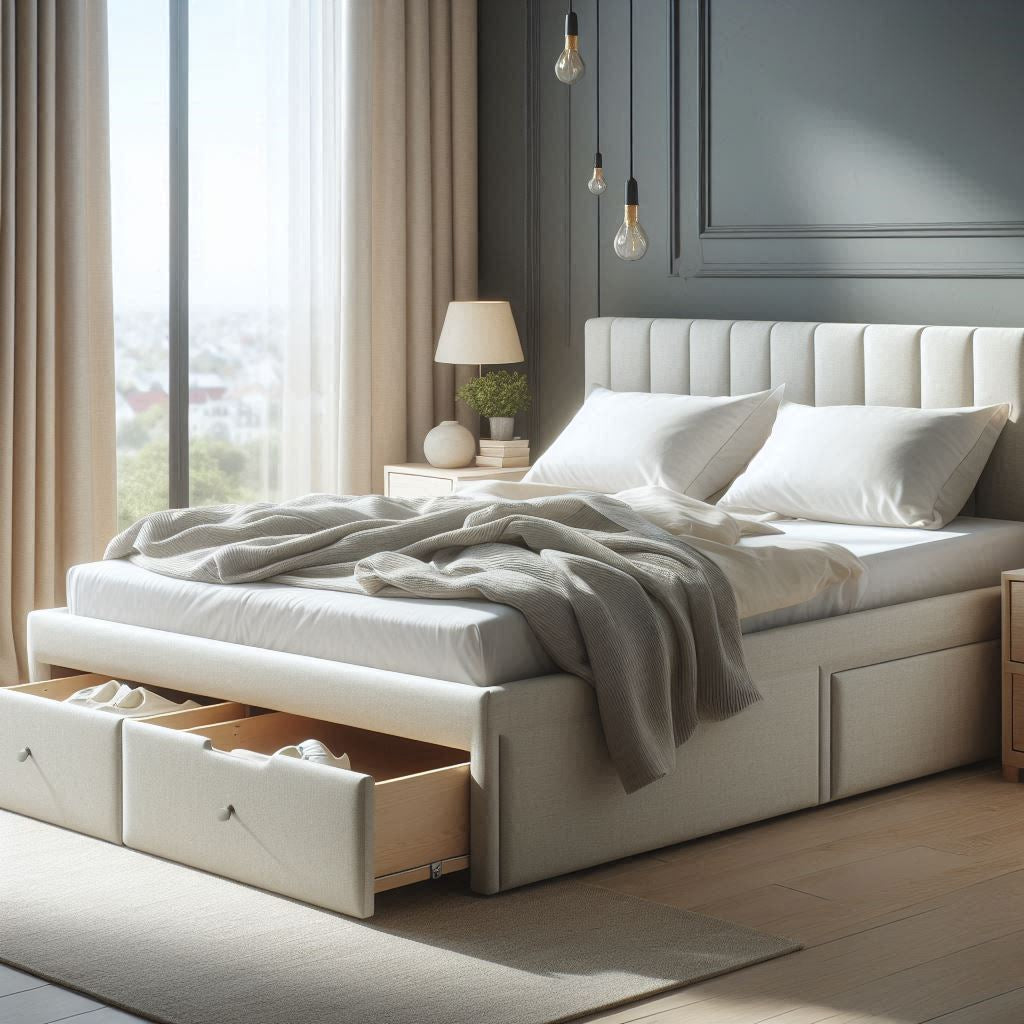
{"x":184,"y":947}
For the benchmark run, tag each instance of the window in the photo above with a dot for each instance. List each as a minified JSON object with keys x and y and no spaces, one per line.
{"x":199,"y":138}
{"x":139,"y":91}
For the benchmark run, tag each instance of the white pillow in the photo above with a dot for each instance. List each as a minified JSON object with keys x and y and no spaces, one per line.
{"x":871,"y":465}
{"x":686,"y":443}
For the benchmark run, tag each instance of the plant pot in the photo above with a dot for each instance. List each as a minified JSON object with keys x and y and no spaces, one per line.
{"x":449,"y":446}
{"x":502,"y":427}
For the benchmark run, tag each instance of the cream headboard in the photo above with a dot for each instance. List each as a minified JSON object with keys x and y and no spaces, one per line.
{"x":829,"y":364}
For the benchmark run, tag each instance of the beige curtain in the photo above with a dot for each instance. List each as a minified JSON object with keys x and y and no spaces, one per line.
{"x":383,"y":231}
{"x":57,"y":436}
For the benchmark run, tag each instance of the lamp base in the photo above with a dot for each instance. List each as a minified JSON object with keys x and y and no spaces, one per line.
{"x":449,"y":446}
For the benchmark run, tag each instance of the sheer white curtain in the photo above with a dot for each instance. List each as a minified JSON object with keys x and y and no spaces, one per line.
{"x":382,"y":212}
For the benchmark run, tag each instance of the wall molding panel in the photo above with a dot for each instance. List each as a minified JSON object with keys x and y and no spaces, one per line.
{"x":983,"y":248}
{"x":814,"y":160}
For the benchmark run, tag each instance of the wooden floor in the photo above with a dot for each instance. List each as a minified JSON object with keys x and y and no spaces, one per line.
{"x":910,"y":902}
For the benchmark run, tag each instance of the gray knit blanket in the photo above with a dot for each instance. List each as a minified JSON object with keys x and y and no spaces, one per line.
{"x":645,"y":618}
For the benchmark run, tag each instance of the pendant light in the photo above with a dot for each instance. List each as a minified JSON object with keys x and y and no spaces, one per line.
{"x":597,"y":184}
{"x":569,"y":66}
{"x":631,"y":239}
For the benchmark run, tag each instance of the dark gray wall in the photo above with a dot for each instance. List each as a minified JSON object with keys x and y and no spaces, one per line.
{"x":837,"y":160}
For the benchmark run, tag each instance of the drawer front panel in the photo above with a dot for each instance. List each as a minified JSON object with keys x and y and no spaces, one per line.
{"x":409,"y":485}
{"x":902,"y":719}
{"x":71,"y":775}
{"x":1017,"y":622}
{"x":1017,"y":713}
{"x":299,"y":829}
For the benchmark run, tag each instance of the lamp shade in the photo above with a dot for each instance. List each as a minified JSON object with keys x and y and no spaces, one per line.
{"x":479,"y":333}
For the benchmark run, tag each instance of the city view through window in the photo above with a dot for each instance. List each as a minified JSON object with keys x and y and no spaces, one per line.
{"x":238,"y":266}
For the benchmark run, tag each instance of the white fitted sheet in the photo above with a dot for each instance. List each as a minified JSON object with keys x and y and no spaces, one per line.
{"x":901,"y":564}
{"x":487,"y":644}
{"x":461,"y":641}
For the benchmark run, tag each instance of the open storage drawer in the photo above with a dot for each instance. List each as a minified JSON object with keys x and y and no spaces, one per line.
{"x":324,"y":835}
{"x":61,"y":763}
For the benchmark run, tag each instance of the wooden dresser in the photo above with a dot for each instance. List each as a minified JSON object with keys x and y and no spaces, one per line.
{"x":1013,"y":675}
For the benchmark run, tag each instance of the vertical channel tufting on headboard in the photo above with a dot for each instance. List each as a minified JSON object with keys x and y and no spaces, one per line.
{"x":829,"y":364}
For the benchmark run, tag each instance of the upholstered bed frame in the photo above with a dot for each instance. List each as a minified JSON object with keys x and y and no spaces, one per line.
{"x":851,"y":703}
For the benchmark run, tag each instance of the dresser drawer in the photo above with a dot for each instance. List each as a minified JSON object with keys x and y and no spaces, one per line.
{"x":957,"y":689}
{"x":1016,"y":622}
{"x":1017,"y":712}
{"x":61,"y":763}
{"x":411,"y":485}
{"x":320,"y":834}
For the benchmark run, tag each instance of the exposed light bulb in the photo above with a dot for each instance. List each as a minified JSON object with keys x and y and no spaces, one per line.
{"x":569,"y":66}
{"x":597,"y":184}
{"x":631,"y":239}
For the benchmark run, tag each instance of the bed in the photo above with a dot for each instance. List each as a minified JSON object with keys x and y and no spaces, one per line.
{"x":863,"y":687}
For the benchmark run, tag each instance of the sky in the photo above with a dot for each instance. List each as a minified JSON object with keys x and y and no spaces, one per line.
{"x":238,"y":131}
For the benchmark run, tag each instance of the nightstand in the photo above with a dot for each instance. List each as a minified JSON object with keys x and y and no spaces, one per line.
{"x":420,"y":480}
{"x":1013,"y":675}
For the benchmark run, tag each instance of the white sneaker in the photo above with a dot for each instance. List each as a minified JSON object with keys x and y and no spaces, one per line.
{"x":307,"y":750}
{"x":99,"y":696}
{"x":249,"y":755}
{"x":320,"y":753}
{"x":141,"y":703}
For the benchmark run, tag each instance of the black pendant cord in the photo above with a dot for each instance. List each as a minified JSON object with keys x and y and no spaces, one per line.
{"x":631,"y":88}
{"x":597,"y":66}
{"x":597,"y":75}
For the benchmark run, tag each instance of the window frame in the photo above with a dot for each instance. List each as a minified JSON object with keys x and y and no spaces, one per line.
{"x":178,"y":303}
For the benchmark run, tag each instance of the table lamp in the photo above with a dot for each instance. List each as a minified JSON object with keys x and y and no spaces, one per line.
{"x":473,"y":333}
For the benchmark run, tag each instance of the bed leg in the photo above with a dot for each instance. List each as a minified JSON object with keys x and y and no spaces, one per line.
{"x":1011,"y":773}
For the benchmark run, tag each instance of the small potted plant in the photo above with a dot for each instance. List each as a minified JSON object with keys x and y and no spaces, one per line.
{"x":498,"y":395}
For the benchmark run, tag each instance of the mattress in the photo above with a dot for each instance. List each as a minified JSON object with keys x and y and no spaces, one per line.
{"x":485,"y":644}
{"x":900,"y":564}
{"x":473,"y":642}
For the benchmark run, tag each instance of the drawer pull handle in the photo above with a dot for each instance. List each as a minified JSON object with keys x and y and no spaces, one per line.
{"x":24,"y":754}
{"x":226,"y":813}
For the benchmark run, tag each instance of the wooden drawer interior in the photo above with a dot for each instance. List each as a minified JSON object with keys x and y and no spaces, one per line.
{"x":421,"y":790}
{"x":212,"y":710}
{"x":57,"y":689}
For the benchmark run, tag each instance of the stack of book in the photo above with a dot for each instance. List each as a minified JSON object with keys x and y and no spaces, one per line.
{"x":504,"y":454}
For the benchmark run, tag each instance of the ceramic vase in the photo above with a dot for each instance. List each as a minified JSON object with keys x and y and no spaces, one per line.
{"x":449,"y":446}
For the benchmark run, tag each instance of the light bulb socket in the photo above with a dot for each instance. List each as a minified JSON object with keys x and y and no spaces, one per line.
{"x":632,"y":193}
{"x":572,"y":24}
{"x":598,"y":162}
